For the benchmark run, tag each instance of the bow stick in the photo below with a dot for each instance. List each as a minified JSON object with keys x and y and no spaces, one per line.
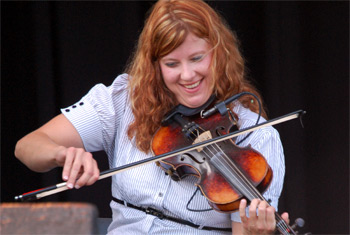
{"x":40,"y":193}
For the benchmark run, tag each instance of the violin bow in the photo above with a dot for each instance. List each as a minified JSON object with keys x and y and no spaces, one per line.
{"x":47,"y":191}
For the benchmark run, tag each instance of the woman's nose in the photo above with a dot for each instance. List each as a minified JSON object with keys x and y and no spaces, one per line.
{"x":187,"y":72}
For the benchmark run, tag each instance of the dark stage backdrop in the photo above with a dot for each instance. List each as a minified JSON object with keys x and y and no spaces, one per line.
{"x":297,"y":54}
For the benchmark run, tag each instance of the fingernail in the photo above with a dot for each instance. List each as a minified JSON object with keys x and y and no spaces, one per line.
{"x":77,"y":186}
{"x":65,"y":177}
{"x":70,"y":185}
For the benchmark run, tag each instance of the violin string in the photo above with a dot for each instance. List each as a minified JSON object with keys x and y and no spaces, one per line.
{"x":246,"y":183}
{"x":234,"y":167}
{"x":234,"y":172}
{"x":255,"y":192}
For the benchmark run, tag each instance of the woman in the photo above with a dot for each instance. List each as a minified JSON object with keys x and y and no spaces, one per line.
{"x":185,"y":54}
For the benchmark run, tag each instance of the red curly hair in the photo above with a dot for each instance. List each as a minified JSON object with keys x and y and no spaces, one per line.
{"x":165,"y":29}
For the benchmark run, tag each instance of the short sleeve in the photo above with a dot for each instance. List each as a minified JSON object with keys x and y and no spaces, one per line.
{"x":96,"y":116}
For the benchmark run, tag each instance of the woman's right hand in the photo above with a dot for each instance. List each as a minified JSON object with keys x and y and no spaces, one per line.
{"x":79,"y":167}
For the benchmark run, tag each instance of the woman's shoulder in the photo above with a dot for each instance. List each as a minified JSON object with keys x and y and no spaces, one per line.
{"x":248,"y":118}
{"x":246,"y":115}
{"x":118,"y":85}
{"x":121,"y":79}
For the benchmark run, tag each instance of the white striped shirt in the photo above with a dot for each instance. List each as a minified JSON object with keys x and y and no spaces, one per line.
{"x":102,"y":118}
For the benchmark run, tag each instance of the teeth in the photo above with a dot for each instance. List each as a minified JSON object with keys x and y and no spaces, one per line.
{"x":193,"y":85}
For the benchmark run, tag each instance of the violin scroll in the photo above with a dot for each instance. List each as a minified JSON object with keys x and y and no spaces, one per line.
{"x":299,"y":223}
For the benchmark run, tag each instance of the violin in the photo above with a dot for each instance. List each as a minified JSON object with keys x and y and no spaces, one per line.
{"x":226,"y":172}
{"x":214,"y":165}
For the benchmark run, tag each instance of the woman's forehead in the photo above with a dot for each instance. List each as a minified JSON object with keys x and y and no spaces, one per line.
{"x":191,"y":45}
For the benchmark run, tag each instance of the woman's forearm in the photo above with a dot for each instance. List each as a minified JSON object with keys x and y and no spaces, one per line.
{"x":38,"y":152}
{"x":46,"y":147}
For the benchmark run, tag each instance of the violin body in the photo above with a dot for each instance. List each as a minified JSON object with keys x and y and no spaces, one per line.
{"x":220,"y":193}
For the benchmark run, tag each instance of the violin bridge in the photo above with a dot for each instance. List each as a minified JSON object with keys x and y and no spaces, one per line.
{"x":202,"y":137}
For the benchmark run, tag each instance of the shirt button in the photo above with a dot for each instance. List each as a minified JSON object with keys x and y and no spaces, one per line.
{"x":67,"y":110}
{"x":160,"y":194}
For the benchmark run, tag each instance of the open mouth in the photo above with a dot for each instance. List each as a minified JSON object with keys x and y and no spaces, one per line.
{"x":194,"y":85}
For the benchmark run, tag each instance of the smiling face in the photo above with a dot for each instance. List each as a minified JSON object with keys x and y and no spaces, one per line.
{"x":186,"y":71}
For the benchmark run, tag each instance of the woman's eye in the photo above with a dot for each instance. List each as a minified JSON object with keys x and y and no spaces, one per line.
{"x":170,"y":64}
{"x":197,"y":58}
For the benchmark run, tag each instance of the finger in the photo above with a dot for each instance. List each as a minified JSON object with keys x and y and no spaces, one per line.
{"x":76,"y":168}
{"x":89,"y":173}
{"x":242,"y":212}
{"x":285,"y":217}
{"x":95,"y":175}
{"x":252,"y":210}
{"x":270,"y":218}
{"x":261,"y":222}
{"x":69,"y":158}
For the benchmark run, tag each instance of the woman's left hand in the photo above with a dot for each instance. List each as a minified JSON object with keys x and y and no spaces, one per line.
{"x":261,"y":218}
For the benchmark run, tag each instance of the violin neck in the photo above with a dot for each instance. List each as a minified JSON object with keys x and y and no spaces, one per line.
{"x":282,"y":226}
